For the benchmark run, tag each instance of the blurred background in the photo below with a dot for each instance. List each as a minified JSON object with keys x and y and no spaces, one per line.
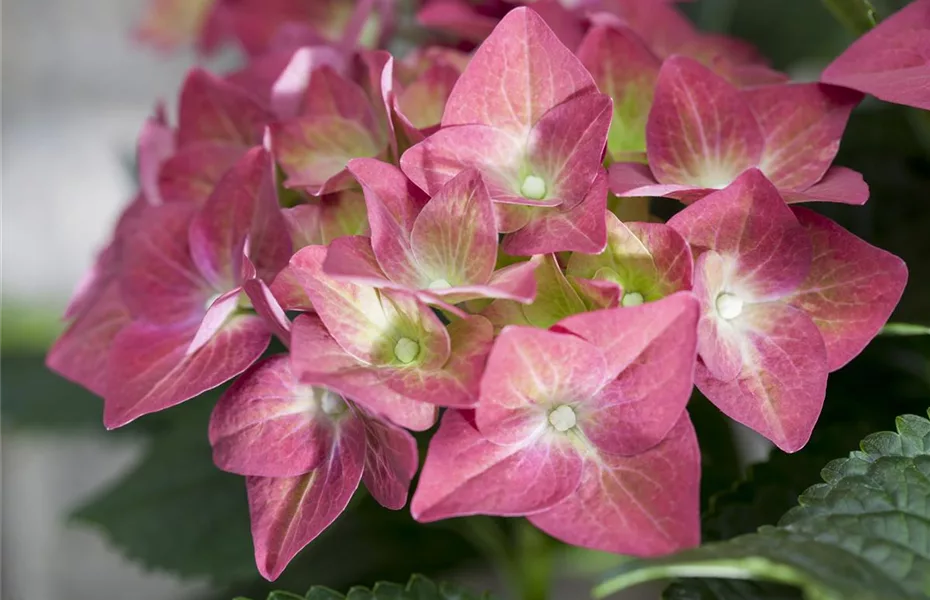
{"x":77,"y":501}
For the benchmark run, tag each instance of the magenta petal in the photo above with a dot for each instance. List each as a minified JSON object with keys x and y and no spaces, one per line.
{"x":454,"y":238}
{"x":465,"y":474}
{"x":156,"y":145}
{"x":457,"y":17}
{"x":288,"y":513}
{"x":80,"y":354}
{"x":268,"y":423}
{"x":194,"y":170}
{"x":567,"y":144}
{"x":531,"y":372}
{"x":838,"y":185}
{"x":700,"y":131}
{"x":391,"y":460}
{"x":160,"y":282}
{"x":269,"y":309}
{"x":642,"y":505}
{"x":212,"y":109}
{"x":633,"y":179}
{"x":851,"y":290}
{"x":150,"y":369}
{"x":289,"y":87}
{"x":636,"y":410}
{"x":720,"y":343}
{"x":802,"y":124}
{"x":892,"y":61}
{"x":519,"y":72}
{"x":781,"y":388}
{"x":582,"y":228}
{"x":319,"y":360}
{"x":496,"y":154}
{"x":351,"y":258}
{"x":753,"y":229}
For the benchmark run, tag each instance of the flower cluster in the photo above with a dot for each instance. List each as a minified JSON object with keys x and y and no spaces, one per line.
{"x":468,"y":232}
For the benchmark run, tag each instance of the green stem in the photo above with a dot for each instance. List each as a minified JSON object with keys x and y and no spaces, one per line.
{"x":523,"y":559}
{"x":534,"y":558}
{"x":857,"y":15}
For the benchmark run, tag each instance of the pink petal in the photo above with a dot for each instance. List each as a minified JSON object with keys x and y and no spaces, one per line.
{"x":582,"y":228}
{"x":454,"y":238}
{"x":391,"y":215}
{"x":851,"y":290}
{"x":566,"y":22}
{"x":892,"y":61}
{"x":750,"y":226}
{"x":268,"y":423}
{"x":700,"y":132}
{"x":80,"y":354}
{"x":420,"y":105}
{"x":633,"y":179}
{"x":555,"y":299}
{"x":290,"y":86}
{"x":780,"y":391}
{"x":156,"y":145}
{"x":314,"y":150}
{"x":211,"y":109}
{"x":720,"y":342}
{"x":802,"y":124}
{"x":597,"y":293}
{"x":655,"y":345}
{"x":457,"y":17}
{"x":269,"y":309}
{"x":626,"y":70}
{"x":378,"y":81}
{"x":650,"y":259}
{"x":391,"y":460}
{"x":496,"y":154}
{"x":351,"y":258}
{"x":194,"y":170}
{"x":465,"y":474}
{"x":329,"y":94}
{"x":334,"y":216}
{"x":243,"y":206}
{"x":626,"y":504}
{"x":532,"y":372}
{"x":321,"y":361}
{"x":150,"y":369}
{"x":511,"y":81}
{"x":288,"y":513}
{"x":160,"y":281}
{"x":567,"y":145}
{"x":838,"y":185}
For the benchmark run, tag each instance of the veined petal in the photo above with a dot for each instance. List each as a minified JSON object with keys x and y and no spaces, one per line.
{"x":891,"y":62}
{"x":191,"y":174}
{"x":626,"y":70}
{"x":750,"y":225}
{"x":334,"y":216}
{"x":802,"y":124}
{"x":465,"y":474}
{"x":319,"y":360}
{"x":512,"y":81}
{"x":851,"y":290}
{"x":420,"y":105}
{"x":721,"y":342}
{"x":454,"y":238}
{"x":212,"y":109}
{"x":150,"y":369}
{"x":351,"y":258}
{"x":270,"y":424}
{"x":530,"y":374}
{"x":780,"y":390}
{"x":654,"y":347}
{"x":391,"y":460}
{"x":700,"y":132}
{"x":634,"y":179}
{"x":288,"y":513}
{"x":555,"y":299}
{"x":839,"y":184}
{"x":631,"y":494}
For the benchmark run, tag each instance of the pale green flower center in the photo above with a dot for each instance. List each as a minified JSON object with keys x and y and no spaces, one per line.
{"x":562,"y":418}
{"x":332,"y":403}
{"x":632,"y":299}
{"x":440,"y":284}
{"x":406,"y":350}
{"x":729,"y":306}
{"x":533,"y":188}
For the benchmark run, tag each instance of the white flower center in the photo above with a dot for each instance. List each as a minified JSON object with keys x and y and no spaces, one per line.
{"x":332,"y":403}
{"x":439,"y":284}
{"x":562,"y":418}
{"x":406,"y":350}
{"x":533,"y":188}
{"x":632,"y":299}
{"x":729,"y":306}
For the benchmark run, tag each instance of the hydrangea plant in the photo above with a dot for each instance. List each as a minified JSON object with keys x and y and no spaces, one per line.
{"x":444,"y":239}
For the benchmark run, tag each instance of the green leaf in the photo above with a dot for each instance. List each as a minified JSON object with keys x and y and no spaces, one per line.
{"x":905,"y":329}
{"x":864,"y":534}
{"x":857,"y":15}
{"x":418,"y":588}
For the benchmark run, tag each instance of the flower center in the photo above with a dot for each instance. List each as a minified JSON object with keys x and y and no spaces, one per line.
{"x":406,"y":350}
{"x":562,"y":418}
{"x":332,"y":403}
{"x":729,"y":306}
{"x":533,"y":188}
{"x":632,"y":299}
{"x":439,"y":284}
